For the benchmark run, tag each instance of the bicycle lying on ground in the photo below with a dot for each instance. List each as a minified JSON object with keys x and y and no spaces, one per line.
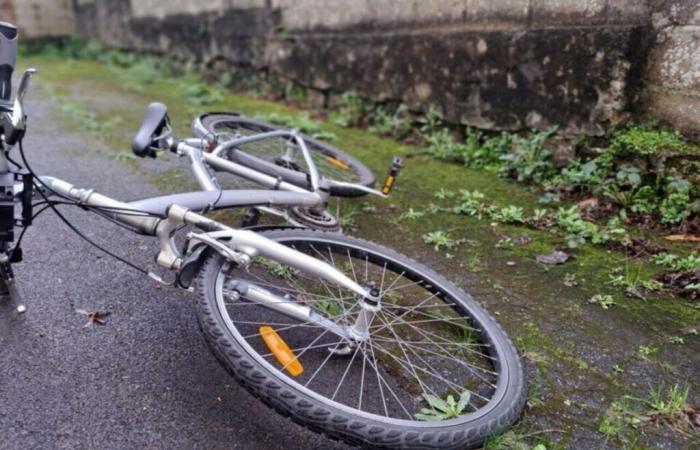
{"x":274,"y":157}
{"x":344,"y":336}
{"x":293,"y":168}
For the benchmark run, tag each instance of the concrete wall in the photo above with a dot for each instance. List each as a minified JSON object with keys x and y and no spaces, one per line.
{"x":39,"y":19}
{"x":673,"y":75}
{"x":494,"y":64}
{"x":7,"y":11}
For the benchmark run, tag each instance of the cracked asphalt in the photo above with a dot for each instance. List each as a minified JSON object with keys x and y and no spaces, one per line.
{"x":146,"y":379}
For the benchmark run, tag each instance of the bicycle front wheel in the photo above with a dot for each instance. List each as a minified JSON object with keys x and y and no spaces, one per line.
{"x":435,"y":371}
{"x":268,"y":155}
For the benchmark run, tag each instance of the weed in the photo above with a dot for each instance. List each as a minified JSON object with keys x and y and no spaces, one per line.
{"x":529,"y":161}
{"x":412,"y":214}
{"x":645,"y":351}
{"x":439,"y":240}
{"x":330,"y":307}
{"x":517,"y":439}
{"x":301,"y":122}
{"x":444,"y":194}
{"x":443,"y":409}
{"x":353,"y":110}
{"x":605,"y":301}
{"x":509,"y":214}
{"x":677,"y":264}
{"x":676,"y":340}
{"x":368,"y":207}
{"x":200,"y":93}
{"x":643,"y":140}
{"x":570,"y":279}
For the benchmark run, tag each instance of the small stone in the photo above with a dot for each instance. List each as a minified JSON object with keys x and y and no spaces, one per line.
{"x":510,"y":263}
{"x":21,"y":309}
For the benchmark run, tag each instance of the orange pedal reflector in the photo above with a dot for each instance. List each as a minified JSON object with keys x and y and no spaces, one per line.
{"x":337,"y":163}
{"x":281,"y":350}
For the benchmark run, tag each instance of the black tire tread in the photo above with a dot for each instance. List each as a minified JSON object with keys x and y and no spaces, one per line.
{"x":323,"y":419}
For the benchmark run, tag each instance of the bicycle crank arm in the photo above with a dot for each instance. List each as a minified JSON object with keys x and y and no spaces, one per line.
{"x":250,"y":292}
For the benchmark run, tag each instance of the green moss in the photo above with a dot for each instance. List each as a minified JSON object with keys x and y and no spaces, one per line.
{"x":533,"y":303}
{"x":643,"y":140}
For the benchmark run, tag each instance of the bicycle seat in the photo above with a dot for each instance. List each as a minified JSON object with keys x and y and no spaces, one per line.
{"x":154,"y":121}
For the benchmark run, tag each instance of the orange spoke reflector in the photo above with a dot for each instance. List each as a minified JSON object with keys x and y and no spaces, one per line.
{"x":281,"y":350}
{"x":337,"y":163}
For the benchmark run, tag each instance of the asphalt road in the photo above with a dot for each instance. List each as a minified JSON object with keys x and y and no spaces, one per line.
{"x":146,"y":379}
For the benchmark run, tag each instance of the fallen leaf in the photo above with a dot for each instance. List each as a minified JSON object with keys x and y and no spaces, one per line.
{"x":94,"y":317}
{"x":633,"y":292}
{"x":683,"y":237}
{"x":556,"y":257}
{"x":522,"y":240}
{"x":591,"y":202}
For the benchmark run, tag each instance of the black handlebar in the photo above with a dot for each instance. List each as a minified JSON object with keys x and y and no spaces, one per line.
{"x":8,"y":58}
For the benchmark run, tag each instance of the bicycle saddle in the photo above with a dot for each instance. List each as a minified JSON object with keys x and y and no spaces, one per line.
{"x":153,"y":127}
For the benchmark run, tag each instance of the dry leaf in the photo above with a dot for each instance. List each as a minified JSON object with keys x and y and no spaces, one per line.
{"x":683,"y":237}
{"x":556,"y":257}
{"x":94,"y":317}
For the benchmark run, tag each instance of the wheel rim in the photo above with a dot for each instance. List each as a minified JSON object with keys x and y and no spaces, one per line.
{"x":330,"y":166}
{"x":416,"y":346}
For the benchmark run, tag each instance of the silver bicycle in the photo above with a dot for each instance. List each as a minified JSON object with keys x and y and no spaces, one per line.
{"x":344,"y":336}
{"x":292,"y":166}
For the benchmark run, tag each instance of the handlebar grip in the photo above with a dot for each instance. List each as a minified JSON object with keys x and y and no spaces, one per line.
{"x":8,"y":58}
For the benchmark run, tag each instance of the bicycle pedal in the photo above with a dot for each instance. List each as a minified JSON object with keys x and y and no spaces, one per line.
{"x":394,"y":170}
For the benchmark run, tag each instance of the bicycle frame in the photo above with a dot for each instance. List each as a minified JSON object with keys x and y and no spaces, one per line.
{"x":315,"y":197}
{"x":237,"y":246}
{"x":162,"y":216}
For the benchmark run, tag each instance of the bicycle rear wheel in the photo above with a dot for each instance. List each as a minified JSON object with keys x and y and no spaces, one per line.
{"x":429,"y":340}
{"x":266,"y":155}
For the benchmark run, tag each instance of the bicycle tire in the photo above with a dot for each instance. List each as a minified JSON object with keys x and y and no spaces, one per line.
{"x":332,"y":163}
{"x":339,"y":421}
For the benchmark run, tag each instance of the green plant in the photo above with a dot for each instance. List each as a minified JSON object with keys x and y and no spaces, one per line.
{"x":429,"y":122}
{"x":605,"y":301}
{"x":645,"y":200}
{"x":303,"y":122}
{"x":443,"y":409}
{"x":669,"y":405}
{"x":643,"y":140}
{"x":386,"y":123}
{"x":470,"y":203}
{"x":572,"y":224}
{"x":509,"y":214}
{"x":200,"y":93}
{"x":444,"y":194}
{"x":330,"y":307}
{"x":676,"y":340}
{"x":646,"y":351}
{"x":439,"y":240}
{"x":412,"y":214}
{"x":674,"y":208}
{"x":529,"y":161}
{"x":353,"y":110}
{"x":677,"y":264}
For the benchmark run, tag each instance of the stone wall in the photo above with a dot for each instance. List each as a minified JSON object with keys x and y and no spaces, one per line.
{"x":507,"y":64}
{"x":39,"y":19}
{"x":7,"y":11}
{"x":673,"y":75}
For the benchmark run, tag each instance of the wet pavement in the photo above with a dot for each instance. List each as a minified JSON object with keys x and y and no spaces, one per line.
{"x":146,"y":379}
